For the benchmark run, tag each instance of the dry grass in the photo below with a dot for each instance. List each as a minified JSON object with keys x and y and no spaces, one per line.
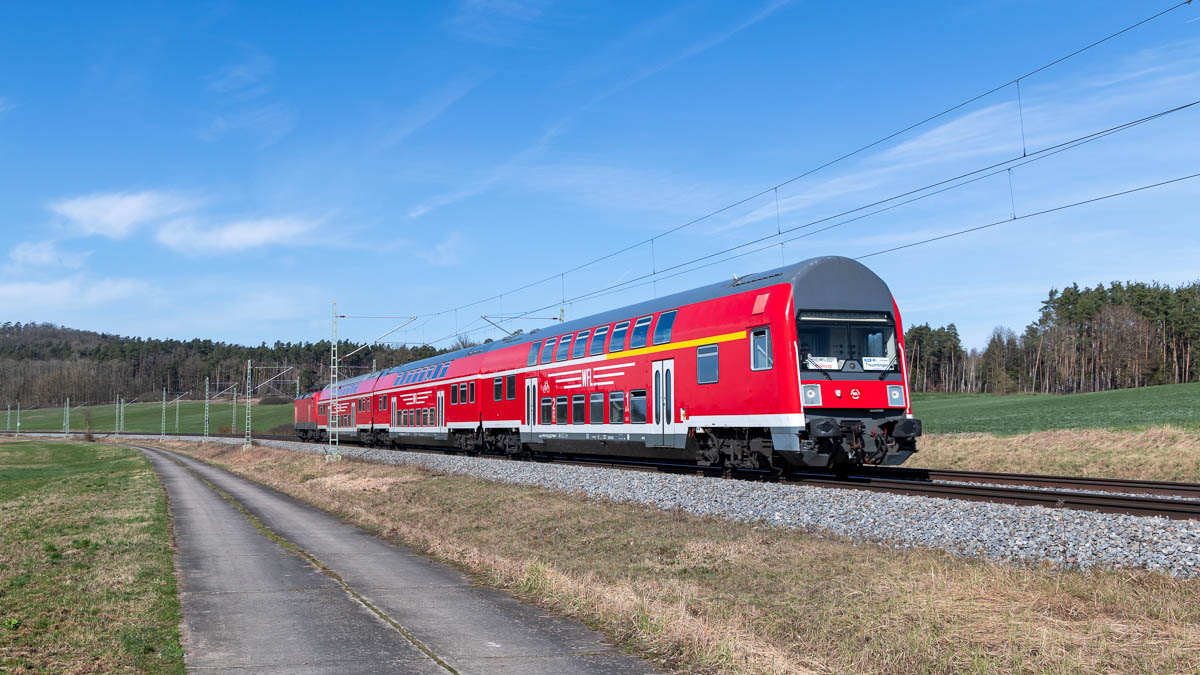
{"x":1158,"y":453}
{"x":705,"y":595}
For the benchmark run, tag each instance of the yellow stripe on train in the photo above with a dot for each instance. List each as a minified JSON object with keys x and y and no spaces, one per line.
{"x":727,"y":337}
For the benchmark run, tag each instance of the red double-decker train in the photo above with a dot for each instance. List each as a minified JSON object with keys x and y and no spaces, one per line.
{"x":800,"y":366}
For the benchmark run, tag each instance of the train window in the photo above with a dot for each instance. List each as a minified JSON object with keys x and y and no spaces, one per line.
{"x":497,"y":388}
{"x":510,"y":385}
{"x":641,"y":330}
{"x":578,"y":409}
{"x":453,"y":394}
{"x":760,"y":348}
{"x":617,"y":342}
{"x":662,"y":329}
{"x":533,"y":351}
{"x":560,"y":410}
{"x":462,"y":392}
{"x":597,"y":408}
{"x":321,"y":409}
{"x":637,"y":406}
{"x":382,"y":404}
{"x":564,"y":348}
{"x":548,"y":351}
{"x":424,"y":417}
{"x":616,"y":407}
{"x":707,"y":364}
{"x":472,"y":390}
{"x":547,"y":410}
{"x":580,"y":349}
{"x":598,"y":341}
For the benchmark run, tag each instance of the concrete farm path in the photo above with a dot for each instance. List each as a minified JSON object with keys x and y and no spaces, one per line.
{"x":270,"y":584}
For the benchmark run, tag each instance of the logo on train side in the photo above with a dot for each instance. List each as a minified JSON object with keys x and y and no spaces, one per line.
{"x":854,"y":394}
{"x":546,"y":387}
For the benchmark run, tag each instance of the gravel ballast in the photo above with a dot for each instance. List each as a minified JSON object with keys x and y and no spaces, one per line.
{"x":1004,"y":532}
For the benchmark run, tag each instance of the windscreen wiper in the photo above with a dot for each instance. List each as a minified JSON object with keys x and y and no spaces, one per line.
{"x":889,"y":367}
{"x":807,"y":362}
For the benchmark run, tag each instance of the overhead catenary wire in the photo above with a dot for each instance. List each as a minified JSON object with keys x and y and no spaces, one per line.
{"x":825,"y":165}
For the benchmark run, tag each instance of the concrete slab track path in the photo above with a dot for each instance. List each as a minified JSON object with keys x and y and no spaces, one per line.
{"x":312,"y":594}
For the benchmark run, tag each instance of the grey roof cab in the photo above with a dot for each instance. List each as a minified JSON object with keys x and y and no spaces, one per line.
{"x":830,"y":283}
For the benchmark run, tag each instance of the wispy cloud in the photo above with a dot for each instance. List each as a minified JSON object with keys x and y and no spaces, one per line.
{"x":244,"y":79}
{"x":117,"y":214}
{"x":190,"y":235}
{"x":31,"y":297}
{"x":503,"y":23}
{"x":449,"y":251}
{"x":269,"y":123}
{"x":427,"y":109}
{"x":507,"y":167}
{"x":45,"y":254}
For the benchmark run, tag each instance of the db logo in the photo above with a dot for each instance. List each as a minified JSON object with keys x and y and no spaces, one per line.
{"x":854,"y":394}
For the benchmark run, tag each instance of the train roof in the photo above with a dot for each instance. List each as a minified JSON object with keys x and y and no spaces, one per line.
{"x":829,"y":283}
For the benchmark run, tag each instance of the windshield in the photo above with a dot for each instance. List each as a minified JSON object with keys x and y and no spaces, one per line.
{"x":831,"y":345}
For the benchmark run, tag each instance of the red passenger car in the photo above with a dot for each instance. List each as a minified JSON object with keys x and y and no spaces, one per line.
{"x":801,"y":366}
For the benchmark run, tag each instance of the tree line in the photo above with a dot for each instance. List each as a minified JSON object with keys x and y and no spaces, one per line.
{"x":1084,"y":339}
{"x":42,"y":364}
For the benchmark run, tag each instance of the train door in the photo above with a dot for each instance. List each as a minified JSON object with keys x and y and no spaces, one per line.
{"x":531,"y":408}
{"x":441,"y":410}
{"x":664,"y":400}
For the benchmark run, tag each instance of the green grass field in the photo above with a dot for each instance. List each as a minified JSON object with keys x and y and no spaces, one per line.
{"x":1173,"y":404}
{"x":87,"y":582}
{"x":147,"y":417}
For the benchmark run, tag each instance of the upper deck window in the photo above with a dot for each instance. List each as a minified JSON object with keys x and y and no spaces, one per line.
{"x":533,"y":353}
{"x":580,"y":344}
{"x":617,"y":342}
{"x":641,"y":331}
{"x":564,"y":348}
{"x":662,"y":329}
{"x":598,"y":341}
{"x":548,"y":351}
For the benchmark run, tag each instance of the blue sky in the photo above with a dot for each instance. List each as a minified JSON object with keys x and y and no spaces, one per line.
{"x":225,"y":170}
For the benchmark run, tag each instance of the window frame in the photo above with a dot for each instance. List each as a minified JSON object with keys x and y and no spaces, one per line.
{"x":497,"y":389}
{"x":546,"y":405}
{"x":766,"y":332}
{"x":669,"y":315}
{"x":510,"y":388}
{"x":716,"y":356}
{"x":596,"y":343}
{"x":471,"y":389}
{"x":535,"y":348}
{"x":454,"y":394}
{"x":382,"y":407}
{"x":641,"y":321}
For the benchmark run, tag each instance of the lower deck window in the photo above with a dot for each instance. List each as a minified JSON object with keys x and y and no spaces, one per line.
{"x":597,"y":408}
{"x":637,"y":406}
{"x":616,"y":407}
{"x":578,"y":409}
{"x":547,"y":410}
{"x":707,"y":364}
{"x":560,"y":410}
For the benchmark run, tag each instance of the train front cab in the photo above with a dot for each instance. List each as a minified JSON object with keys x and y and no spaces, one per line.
{"x":849,"y":348}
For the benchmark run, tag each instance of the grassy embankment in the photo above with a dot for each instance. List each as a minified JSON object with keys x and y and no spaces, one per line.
{"x":146,"y":418}
{"x":707,"y":595}
{"x":1151,"y":433}
{"x":87,"y":582}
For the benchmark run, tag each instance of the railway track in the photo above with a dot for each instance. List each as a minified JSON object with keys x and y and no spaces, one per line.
{"x":1109,"y":495}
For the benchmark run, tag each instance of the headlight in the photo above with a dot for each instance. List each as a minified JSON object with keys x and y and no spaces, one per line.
{"x":811,"y":393}
{"x":896,"y":395}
